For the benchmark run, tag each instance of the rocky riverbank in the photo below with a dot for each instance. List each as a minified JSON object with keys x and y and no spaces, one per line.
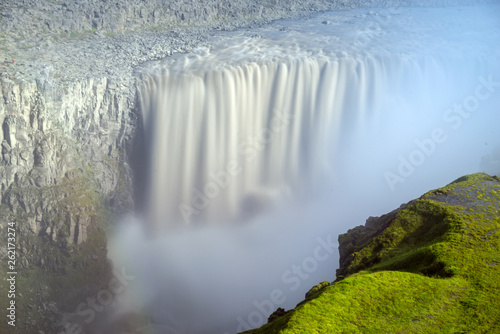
{"x":70,"y":41}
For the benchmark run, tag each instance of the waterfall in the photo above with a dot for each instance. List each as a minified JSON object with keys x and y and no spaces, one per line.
{"x":227,"y":141}
{"x":274,"y":141}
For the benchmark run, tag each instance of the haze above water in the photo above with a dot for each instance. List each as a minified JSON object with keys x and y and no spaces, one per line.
{"x":265,"y":145}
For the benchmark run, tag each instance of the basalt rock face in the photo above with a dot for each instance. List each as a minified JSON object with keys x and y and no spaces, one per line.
{"x":51,"y":138}
{"x":358,"y":237}
{"x":63,"y":174}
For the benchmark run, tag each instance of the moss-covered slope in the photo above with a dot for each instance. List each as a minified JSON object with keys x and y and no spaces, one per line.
{"x":432,"y":266}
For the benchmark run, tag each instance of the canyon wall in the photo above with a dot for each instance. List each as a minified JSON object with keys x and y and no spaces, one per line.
{"x":63,"y":175}
{"x":52,"y":136}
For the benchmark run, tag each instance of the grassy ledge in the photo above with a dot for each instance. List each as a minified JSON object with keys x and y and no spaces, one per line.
{"x":431,"y":266}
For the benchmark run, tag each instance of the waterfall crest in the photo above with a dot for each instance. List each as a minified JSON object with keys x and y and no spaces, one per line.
{"x":228,"y":141}
{"x":307,"y":118}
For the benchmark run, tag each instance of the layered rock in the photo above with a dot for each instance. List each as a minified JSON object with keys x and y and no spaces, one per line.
{"x":50,"y":136}
{"x":63,"y":173}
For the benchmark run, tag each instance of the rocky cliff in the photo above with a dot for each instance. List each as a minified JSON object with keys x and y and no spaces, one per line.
{"x":62,"y":172}
{"x":42,"y":16}
{"x":53,"y":137}
{"x":430,"y":266}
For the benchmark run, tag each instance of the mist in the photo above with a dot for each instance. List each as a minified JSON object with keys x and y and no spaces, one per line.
{"x":261,"y":151}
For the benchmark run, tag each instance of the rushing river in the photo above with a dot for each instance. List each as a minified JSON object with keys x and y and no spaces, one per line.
{"x":264,"y":146}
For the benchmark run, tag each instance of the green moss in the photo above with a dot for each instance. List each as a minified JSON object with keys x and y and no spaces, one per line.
{"x":383,"y":302}
{"x":316,"y":290}
{"x":430,"y":267}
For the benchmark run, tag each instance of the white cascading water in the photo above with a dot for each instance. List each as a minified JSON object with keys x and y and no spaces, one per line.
{"x":226,"y":140}
{"x":271,"y":141}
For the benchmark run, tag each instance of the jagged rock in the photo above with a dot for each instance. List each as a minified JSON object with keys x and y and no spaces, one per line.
{"x":91,"y":112}
{"x":356,"y":238}
{"x":276,"y":314}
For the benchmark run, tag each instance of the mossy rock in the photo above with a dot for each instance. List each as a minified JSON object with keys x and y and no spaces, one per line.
{"x":431,"y":266}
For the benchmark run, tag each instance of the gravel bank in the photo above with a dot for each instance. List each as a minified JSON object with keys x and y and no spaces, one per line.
{"x":63,"y":40}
